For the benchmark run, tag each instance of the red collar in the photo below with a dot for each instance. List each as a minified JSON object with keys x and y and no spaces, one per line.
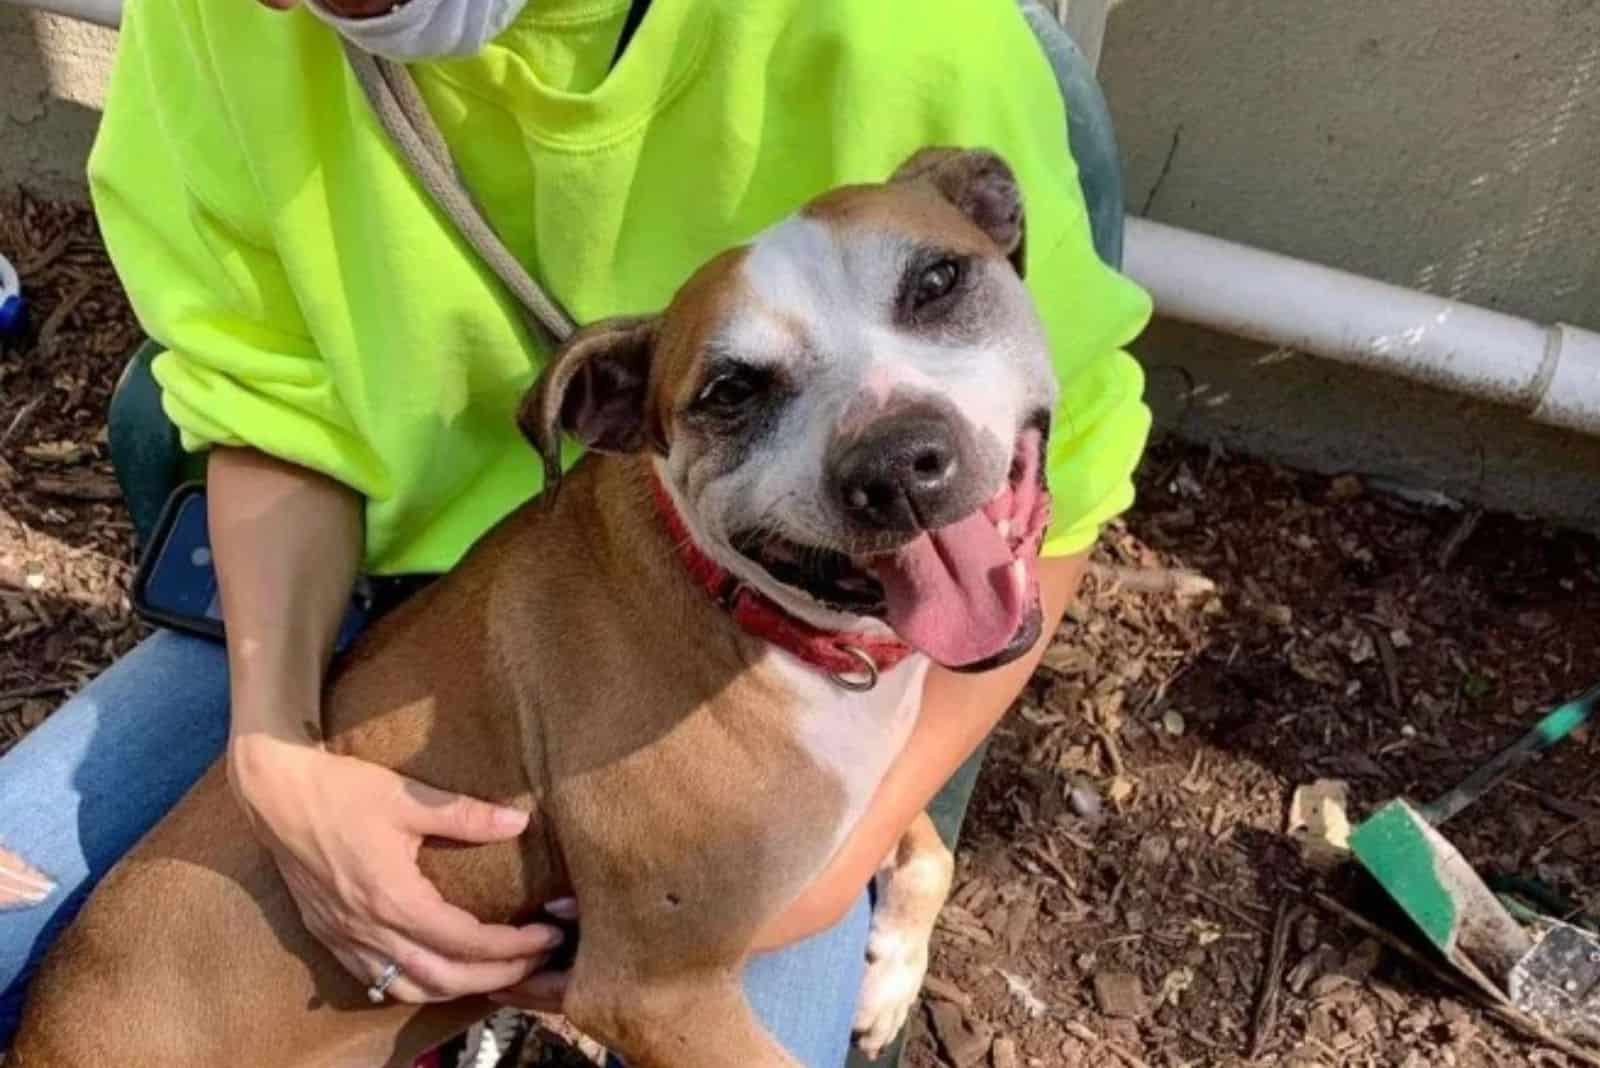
{"x":853,"y":660}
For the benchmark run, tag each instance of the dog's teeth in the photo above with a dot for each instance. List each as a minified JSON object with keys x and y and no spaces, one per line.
{"x":1019,"y":576}
{"x":1003,"y":528}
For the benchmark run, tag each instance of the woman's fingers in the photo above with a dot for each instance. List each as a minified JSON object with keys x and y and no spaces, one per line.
{"x":422,"y":915}
{"x":440,"y":814}
{"x":424,"y":976}
{"x":364,"y":964}
{"x":353,"y":871}
{"x":442,"y":979}
{"x":427,"y":973}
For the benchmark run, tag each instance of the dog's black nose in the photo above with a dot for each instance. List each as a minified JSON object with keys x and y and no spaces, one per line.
{"x":900,"y":476}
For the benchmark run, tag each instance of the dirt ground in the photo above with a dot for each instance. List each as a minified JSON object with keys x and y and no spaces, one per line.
{"x":1125,"y":861}
{"x":65,"y":539}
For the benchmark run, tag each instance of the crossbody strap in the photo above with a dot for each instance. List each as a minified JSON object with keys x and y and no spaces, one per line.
{"x":630,"y":26}
{"x":395,"y":100}
{"x":400,"y":109}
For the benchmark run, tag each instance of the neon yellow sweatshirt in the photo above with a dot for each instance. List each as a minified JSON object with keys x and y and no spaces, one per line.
{"x":315,"y":306}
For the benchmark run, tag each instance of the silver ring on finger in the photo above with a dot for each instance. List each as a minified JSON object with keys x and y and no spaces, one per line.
{"x":379,"y":990}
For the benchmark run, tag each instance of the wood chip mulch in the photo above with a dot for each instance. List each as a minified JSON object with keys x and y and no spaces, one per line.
{"x":1248,"y":629}
{"x":1125,"y":861}
{"x":65,"y":540}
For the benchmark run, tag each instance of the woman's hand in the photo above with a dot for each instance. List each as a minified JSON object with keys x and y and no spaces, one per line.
{"x":345,"y":835}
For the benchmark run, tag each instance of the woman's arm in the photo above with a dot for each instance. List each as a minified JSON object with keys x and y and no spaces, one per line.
{"x":287,"y":544}
{"x":958,"y":712}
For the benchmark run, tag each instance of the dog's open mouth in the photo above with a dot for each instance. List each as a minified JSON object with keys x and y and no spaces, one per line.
{"x":966,"y":594}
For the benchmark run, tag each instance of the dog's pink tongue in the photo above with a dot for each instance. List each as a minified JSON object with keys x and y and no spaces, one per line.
{"x":954,"y":594}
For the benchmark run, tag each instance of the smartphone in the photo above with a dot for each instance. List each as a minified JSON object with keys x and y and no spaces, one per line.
{"x":175,"y":585}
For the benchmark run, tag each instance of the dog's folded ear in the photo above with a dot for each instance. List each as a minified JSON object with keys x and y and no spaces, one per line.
{"x":981,"y":186}
{"x":595,"y":389}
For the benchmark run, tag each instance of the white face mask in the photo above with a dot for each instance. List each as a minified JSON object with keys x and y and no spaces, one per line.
{"x":425,"y":29}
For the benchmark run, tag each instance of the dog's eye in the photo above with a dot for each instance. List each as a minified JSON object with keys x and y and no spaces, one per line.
{"x":935,"y":282}
{"x":732,"y":389}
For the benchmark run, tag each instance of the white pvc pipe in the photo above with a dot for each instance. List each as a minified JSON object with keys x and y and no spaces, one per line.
{"x":1550,"y":372}
{"x":100,"y":12}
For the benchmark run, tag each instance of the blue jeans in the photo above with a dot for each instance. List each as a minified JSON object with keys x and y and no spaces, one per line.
{"x":81,"y":789}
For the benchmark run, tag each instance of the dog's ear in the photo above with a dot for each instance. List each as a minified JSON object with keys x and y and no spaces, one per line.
{"x":596,"y":389}
{"x":981,"y":186}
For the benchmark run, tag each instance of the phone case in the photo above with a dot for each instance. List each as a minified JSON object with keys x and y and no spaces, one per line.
{"x":199,"y":625}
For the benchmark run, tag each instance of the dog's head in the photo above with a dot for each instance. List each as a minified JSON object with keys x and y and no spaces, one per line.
{"x":850,"y":412}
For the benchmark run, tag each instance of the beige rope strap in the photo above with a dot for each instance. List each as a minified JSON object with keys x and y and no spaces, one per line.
{"x":404,"y":115}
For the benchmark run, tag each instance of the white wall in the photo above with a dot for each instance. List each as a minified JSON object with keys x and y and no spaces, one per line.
{"x":1446,"y":145}
{"x":1451,"y":145}
{"x":52,"y":83}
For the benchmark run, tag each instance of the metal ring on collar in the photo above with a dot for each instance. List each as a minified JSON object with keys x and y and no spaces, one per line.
{"x":869,"y":667}
{"x":380,"y":986}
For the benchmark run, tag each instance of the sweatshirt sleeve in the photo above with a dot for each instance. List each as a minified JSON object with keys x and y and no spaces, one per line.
{"x":178,"y":210}
{"x":1101,"y":422}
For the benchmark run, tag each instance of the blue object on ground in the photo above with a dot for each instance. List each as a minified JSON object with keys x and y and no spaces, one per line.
{"x":13,"y":311}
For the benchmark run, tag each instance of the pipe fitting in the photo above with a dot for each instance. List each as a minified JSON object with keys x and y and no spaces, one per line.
{"x":1571,"y":397}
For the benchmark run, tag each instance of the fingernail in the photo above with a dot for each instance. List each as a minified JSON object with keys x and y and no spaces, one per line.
{"x":510,"y":820}
{"x":553,"y":937}
{"x":563,"y":908}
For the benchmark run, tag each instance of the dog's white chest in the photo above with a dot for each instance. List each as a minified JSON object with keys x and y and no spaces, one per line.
{"x":855,"y":736}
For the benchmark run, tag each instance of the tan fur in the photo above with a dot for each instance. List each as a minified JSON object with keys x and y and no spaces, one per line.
{"x":914,"y":212}
{"x":931,"y":195}
{"x":698,"y":310}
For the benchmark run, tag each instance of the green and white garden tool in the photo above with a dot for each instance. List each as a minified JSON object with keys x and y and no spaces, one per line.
{"x":1401,"y":847}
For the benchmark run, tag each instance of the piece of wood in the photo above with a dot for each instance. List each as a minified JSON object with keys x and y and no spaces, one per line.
{"x":1120,"y":995}
{"x":1238,"y":914}
{"x":945,"y":990}
{"x":1171,"y":580}
{"x":1266,"y":1014}
{"x":27,"y":693}
{"x":1458,"y":537}
{"x":965,"y":1042}
{"x":83,"y":487}
{"x":19,"y":420}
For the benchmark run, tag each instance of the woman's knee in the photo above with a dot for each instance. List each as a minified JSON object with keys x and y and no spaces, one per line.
{"x":84,"y":786}
{"x":806,"y":993}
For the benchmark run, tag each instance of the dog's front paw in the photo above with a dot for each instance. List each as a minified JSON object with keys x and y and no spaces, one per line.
{"x":897,"y":959}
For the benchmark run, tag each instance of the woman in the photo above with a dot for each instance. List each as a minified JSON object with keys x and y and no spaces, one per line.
{"x":352,"y":371}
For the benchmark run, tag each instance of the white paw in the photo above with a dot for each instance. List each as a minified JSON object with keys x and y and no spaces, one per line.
{"x":896,"y":962}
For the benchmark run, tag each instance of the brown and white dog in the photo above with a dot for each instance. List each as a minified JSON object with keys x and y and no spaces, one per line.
{"x":838,"y":431}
